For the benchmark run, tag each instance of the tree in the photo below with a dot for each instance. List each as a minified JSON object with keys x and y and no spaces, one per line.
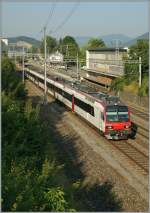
{"x":51,"y":44}
{"x":34,"y":49}
{"x":68,"y":46}
{"x":140,"y":49}
{"x":92,"y":43}
{"x":95,"y":43}
{"x":10,"y":81}
{"x":118,"y":84}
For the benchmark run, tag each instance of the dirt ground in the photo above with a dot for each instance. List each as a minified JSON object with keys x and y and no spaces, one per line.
{"x":96,"y":159}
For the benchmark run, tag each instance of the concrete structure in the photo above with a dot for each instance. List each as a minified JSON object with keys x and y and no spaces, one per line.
{"x":108,"y":61}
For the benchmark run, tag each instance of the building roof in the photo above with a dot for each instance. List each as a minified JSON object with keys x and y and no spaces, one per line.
{"x":106,"y":49}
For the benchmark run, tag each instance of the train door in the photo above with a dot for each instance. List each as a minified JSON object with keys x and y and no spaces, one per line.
{"x":72,"y":103}
{"x":102,"y":123}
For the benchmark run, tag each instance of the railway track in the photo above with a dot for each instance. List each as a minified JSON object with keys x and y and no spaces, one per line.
{"x":143,"y":132}
{"x":140,"y":114}
{"x":140,"y":130}
{"x":134,"y":155}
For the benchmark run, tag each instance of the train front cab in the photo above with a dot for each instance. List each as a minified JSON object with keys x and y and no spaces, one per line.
{"x":117,"y":122}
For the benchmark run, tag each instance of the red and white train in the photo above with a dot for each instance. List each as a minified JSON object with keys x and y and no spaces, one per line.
{"x":104,"y":112}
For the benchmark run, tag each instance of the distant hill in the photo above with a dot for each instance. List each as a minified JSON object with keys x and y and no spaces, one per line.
{"x":112,"y":39}
{"x":108,"y":39}
{"x":30,"y":40}
{"x":145,"y":36}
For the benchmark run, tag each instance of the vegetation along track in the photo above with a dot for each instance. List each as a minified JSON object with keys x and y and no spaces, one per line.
{"x":133,"y":154}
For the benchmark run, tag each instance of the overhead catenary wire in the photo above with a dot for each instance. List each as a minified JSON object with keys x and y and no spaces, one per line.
{"x":66,"y":18}
{"x":51,"y":13}
{"x":48,"y":19}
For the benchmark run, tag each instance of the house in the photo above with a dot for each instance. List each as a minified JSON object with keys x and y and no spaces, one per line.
{"x":56,"y":57}
{"x":5,"y":41}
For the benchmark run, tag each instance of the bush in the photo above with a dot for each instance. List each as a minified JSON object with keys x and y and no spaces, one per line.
{"x":11,"y":82}
{"x":144,"y":90}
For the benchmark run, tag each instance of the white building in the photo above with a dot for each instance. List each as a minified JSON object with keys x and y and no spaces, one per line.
{"x":56,"y":57}
{"x":5,"y":41}
{"x":108,"y":61}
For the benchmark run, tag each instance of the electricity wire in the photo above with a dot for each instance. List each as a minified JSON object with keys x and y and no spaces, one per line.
{"x":51,"y":13}
{"x":49,"y":17}
{"x":66,"y":18}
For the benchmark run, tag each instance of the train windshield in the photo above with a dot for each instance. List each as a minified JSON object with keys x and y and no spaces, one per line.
{"x":117,"y":113}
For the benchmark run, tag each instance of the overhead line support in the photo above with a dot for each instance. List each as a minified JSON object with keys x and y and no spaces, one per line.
{"x":45,"y":71}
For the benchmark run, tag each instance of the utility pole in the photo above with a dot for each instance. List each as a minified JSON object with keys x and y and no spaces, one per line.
{"x":117,"y":49}
{"x":77,"y":66}
{"x":67,"y":50}
{"x":15,"y":56}
{"x":23,"y":65}
{"x":140,"y":72}
{"x":45,"y":74}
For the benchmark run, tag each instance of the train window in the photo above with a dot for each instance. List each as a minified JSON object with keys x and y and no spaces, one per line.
{"x":67,"y":95}
{"x":33,"y":76}
{"x":111,"y":108}
{"x":63,"y":93}
{"x":50,"y":86}
{"x":41,"y":80}
{"x":58,"y":90}
{"x":122,"y":109}
{"x":86,"y":107}
{"x":102,"y":116}
{"x":123,"y":113}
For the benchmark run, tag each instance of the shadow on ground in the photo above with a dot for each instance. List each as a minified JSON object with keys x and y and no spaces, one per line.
{"x":91,"y":197}
{"x":134,"y":129}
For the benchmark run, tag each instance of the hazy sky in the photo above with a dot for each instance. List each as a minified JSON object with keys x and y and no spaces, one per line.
{"x":88,"y":19}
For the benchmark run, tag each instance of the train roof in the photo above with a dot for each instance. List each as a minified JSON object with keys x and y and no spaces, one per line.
{"x":96,"y":95}
{"x":88,"y":91}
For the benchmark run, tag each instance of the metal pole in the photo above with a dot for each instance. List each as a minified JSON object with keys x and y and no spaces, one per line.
{"x":15,"y":56}
{"x":140,"y":72}
{"x":77,"y":66}
{"x":45,"y":86}
{"x":14,"y":51}
{"x":23,"y":66}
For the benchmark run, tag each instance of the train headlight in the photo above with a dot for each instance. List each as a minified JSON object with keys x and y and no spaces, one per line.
{"x":109,"y":127}
{"x":127,"y":126}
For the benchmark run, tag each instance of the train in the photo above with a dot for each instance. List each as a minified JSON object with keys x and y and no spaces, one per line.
{"x":105,"y":112}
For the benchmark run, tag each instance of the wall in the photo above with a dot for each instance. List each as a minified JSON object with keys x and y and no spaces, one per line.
{"x":95,"y":61}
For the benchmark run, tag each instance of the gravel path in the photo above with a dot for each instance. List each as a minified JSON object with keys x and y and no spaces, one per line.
{"x":95,"y":156}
